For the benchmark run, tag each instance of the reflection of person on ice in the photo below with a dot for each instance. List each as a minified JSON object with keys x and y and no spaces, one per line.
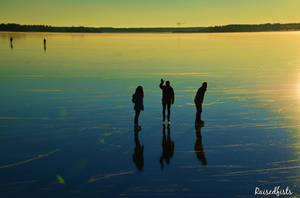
{"x":167,"y":98}
{"x":138,"y":155}
{"x":167,"y":147}
{"x":199,"y":100}
{"x":199,"y":150}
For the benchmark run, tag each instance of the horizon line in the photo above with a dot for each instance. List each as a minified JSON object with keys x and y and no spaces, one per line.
{"x":149,"y":26}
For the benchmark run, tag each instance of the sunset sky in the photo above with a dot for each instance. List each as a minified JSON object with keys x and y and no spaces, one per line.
{"x":148,"y":13}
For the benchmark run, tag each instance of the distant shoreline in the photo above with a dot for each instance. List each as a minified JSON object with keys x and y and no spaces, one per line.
{"x":150,"y":32}
{"x":235,"y":28}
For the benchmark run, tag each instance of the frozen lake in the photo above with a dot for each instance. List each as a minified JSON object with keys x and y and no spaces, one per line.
{"x":66,"y":116}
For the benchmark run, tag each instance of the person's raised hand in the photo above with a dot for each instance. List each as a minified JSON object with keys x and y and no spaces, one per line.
{"x":162,"y":80}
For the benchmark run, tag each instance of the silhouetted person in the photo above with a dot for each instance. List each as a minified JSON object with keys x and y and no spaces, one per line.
{"x":167,"y":147}
{"x":138,"y":155}
{"x":137,"y":99}
{"x":45,"y":44}
{"x":199,"y":151}
{"x":199,"y":101}
{"x":11,"y":42}
{"x":167,"y":98}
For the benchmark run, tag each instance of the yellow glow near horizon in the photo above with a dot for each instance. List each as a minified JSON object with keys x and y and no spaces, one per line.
{"x":141,"y":13}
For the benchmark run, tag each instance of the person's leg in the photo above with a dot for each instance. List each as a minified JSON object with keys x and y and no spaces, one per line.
{"x":169,"y":111}
{"x":164,"y":111}
{"x":198,"y":113}
{"x":136,"y":117}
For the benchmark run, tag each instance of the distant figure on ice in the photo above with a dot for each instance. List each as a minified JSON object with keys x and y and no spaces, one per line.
{"x":199,"y":100}
{"x":199,"y":150}
{"x":137,"y":99}
{"x":167,"y":98}
{"x":45,"y":44}
{"x":11,"y":42}
{"x":138,"y":155}
{"x":167,"y":147}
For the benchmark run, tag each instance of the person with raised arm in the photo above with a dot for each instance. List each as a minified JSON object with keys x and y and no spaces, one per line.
{"x":167,"y":98}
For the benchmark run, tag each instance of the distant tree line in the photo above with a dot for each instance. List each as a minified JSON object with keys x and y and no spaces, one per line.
{"x":247,"y":28}
{"x":12,"y":27}
{"x":43,"y":28}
